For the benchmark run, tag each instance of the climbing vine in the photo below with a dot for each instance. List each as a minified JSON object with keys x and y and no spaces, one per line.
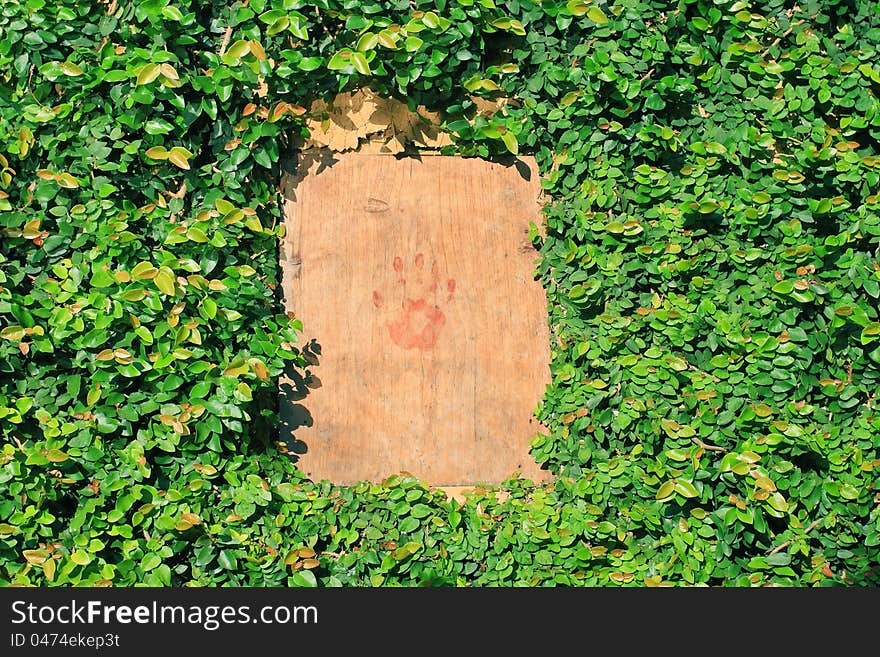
{"x":710,"y":256}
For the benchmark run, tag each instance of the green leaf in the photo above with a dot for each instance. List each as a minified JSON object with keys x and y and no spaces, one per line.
{"x":279,"y":25}
{"x":778,"y":559}
{"x":685,"y":488}
{"x":82,"y":558}
{"x":310,"y":63}
{"x":208,"y":308}
{"x":150,"y":561}
{"x":340,"y":60}
{"x":597,"y":16}
{"x":304,"y":578}
{"x":510,"y":142}
{"x":227,"y":560}
{"x":577,"y":7}
{"x":144,"y":334}
{"x":360,"y":63}
{"x":409,"y":525}
{"x":238,"y":50}
{"x":367,"y":42}
{"x":431,"y":20}
{"x":173,"y":13}
{"x":783,"y":287}
{"x":406,"y":550}
{"x":848,"y":491}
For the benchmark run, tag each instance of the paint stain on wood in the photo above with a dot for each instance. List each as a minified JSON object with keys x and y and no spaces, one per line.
{"x":418,"y":322}
{"x":418,"y":325}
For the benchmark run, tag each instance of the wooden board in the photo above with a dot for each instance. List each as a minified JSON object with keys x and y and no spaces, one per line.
{"x":415,"y":280}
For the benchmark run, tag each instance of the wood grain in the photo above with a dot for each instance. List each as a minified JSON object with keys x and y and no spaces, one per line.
{"x":414,"y":279}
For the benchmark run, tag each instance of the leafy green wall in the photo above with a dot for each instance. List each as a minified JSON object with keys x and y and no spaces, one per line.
{"x":711,"y":260}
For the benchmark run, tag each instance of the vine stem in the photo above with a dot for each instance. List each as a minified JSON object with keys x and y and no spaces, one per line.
{"x":226,"y":36}
{"x":707,"y":446}
{"x":812,"y":526}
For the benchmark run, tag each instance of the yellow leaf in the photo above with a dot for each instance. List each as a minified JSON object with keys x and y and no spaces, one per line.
{"x":236,"y":368}
{"x":144,"y":270}
{"x":134,"y":295}
{"x":233,"y":217}
{"x":66,"y":180}
{"x":387,"y":39}
{"x":259,"y":369}
{"x":122,"y":356}
{"x":71,"y":69}
{"x":81,"y":557}
{"x":245,"y":391}
{"x":360,"y":63}
{"x":777,"y":501}
{"x":164,"y":280}
{"x":49,"y":569}
{"x":238,"y":49}
{"x":223,"y":206}
{"x":179,"y":157}
{"x":665,"y":490}
{"x":510,"y":142}
{"x":94,"y":395}
{"x":14,"y":333}
{"x":766,"y":483}
{"x":106,"y":354}
{"x":597,"y":16}
{"x":196,"y":234}
{"x":257,"y":49}
{"x":56,"y":456}
{"x":762,"y":410}
{"x":168,"y":71}
{"x":157,"y":153}
{"x":35,"y":556}
{"x":147,"y":73}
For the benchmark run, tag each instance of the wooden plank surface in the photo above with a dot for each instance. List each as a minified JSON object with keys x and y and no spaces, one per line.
{"x":414,"y":279}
